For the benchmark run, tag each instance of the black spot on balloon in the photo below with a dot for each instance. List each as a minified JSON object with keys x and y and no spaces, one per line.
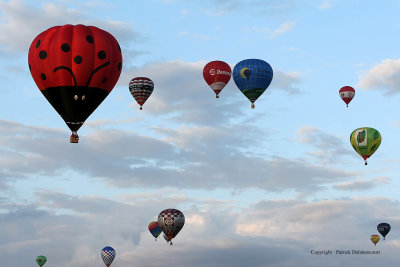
{"x":104,"y":80}
{"x":101,"y":54}
{"x":37,"y":43}
{"x":119,"y":66}
{"x":89,"y":39}
{"x":43,"y":76}
{"x":65,"y":47}
{"x":42,"y":54}
{"x":78,"y":59}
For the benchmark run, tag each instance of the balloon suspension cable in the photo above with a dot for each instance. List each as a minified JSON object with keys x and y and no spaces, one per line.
{"x":155,"y":239}
{"x":252,"y":105}
{"x":141,"y":108}
{"x":383,"y":238}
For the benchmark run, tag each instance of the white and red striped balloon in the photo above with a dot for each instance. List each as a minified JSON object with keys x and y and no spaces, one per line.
{"x":141,"y":88}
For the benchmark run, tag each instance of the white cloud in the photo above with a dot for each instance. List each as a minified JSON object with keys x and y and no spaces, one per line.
{"x":362,"y":184}
{"x":185,"y":155}
{"x":329,"y":147}
{"x":325,"y":4}
{"x":266,"y":32}
{"x":283,"y":28}
{"x":269,"y":233}
{"x":286,"y":81}
{"x":384,"y":76}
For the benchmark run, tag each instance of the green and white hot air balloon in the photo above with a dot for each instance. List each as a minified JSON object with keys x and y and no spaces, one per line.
{"x":365,"y":141}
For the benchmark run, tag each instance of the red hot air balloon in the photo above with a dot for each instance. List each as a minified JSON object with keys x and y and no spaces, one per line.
{"x":347,"y":93}
{"x":75,"y":67}
{"x":217,"y":74}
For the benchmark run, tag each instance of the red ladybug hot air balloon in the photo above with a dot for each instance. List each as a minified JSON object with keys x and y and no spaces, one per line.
{"x":217,"y":74}
{"x":347,"y":93}
{"x":75,"y":67}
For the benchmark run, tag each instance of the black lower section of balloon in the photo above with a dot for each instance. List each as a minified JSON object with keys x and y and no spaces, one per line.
{"x":74,"y":103}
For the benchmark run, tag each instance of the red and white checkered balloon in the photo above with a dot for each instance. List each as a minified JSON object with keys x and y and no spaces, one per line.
{"x":171,"y":222}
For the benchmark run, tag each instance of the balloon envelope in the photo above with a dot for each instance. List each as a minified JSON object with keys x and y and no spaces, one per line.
{"x":108,"y":255}
{"x":41,"y":260}
{"x":252,"y":77}
{"x":155,"y":229}
{"x":141,"y":88}
{"x":383,"y":229}
{"x":217,"y":74}
{"x":171,"y":222}
{"x":375,"y":239}
{"x":347,"y":93}
{"x":75,"y":68}
{"x":365,"y":141}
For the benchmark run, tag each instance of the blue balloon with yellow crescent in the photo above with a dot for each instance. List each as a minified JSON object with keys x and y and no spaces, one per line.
{"x":252,"y":77}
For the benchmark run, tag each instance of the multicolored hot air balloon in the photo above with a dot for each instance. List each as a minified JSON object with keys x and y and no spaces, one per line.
{"x":41,"y":260}
{"x":365,"y":141}
{"x":75,"y":67}
{"x":217,"y":74}
{"x":375,"y":239}
{"x":141,"y":88}
{"x":383,"y":229}
{"x":108,"y":255}
{"x":155,"y":229}
{"x":347,"y":93}
{"x":171,"y":222}
{"x":252,"y":77}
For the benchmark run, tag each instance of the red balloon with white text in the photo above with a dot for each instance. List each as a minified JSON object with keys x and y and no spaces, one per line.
{"x":217,"y":74}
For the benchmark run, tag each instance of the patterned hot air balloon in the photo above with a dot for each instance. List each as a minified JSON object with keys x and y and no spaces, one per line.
{"x":252,"y":77}
{"x":365,"y":141}
{"x":383,"y":229}
{"x":155,"y":229}
{"x":41,"y":260}
{"x":347,"y":93}
{"x":141,"y":88}
{"x":171,"y":222}
{"x":75,"y":67}
{"x":217,"y":74}
{"x":375,"y":239}
{"x":108,"y":255}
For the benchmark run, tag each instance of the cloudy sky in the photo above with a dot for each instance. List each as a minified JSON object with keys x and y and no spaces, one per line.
{"x":258,"y":187}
